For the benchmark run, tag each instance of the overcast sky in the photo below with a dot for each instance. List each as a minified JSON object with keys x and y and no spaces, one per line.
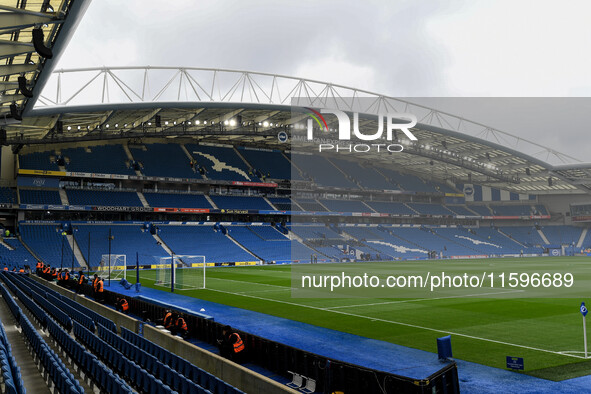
{"x":397,"y":48}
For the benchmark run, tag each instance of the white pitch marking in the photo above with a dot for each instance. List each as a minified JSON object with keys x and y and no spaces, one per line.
{"x":402,"y":324}
{"x":251,"y":283}
{"x":423,"y":299}
{"x":263,"y":291}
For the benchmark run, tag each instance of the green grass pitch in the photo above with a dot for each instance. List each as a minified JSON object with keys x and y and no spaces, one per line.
{"x":546,"y":332}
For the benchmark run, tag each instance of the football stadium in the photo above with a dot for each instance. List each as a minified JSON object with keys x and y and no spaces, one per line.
{"x":207,"y":230}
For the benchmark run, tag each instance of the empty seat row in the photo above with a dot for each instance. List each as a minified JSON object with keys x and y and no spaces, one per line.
{"x":28,"y":302}
{"x":11,"y":373}
{"x":75,"y":314}
{"x":58,"y":372}
{"x":96,"y":317}
{"x":161,"y":371}
{"x":40,"y":300}
{"x":179,"y":364}
{"x":61,"y":316}
{"x":12,"y":305}
{"x":103,"y":377}
{"x":139,"y":377}
{"x":64,"y":380}
{"x":37,"y":286}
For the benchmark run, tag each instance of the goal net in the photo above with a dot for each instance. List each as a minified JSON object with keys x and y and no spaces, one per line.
{"x":185,"y":272}
{"x":117,"y":263}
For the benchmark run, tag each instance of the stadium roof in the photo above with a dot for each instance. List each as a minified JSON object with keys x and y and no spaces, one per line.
{"x":19,"y":57}
{"x":203,"y":103}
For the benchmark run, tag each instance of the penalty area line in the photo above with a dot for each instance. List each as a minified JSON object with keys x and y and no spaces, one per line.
{"x":403,"y":324}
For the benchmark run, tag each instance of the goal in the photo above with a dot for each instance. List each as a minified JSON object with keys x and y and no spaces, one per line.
{"x":117,"y":264}
{"x":181,"y":272}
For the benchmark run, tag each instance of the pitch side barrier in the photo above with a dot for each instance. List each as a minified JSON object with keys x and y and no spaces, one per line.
{"x":331,"y":375}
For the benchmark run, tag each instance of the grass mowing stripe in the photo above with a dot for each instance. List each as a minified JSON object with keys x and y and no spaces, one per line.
{"x":551,"y":325}
{"x":403,"y":324}
{"x":250,"y":283}
{"x":421,"y":299}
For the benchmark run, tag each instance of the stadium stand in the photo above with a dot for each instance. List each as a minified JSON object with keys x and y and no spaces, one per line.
{"x":235,"y":202}
{"x":527,"y":235}
{"x":164,"y":160}
{"x":310,"y":205}
{"x":47,"y":242}
{"x":63,"y":379}
{"x":314,"y":231}
{"x":461,"y":210}
{"x":540,"y":210}
{"x":562,"y":235}
{"x":103,"y":198}
{"x":345,"y":206}
{"x":104,"y":159}
{"x":407,"y":181}
{"x":126,"y":240}
{"x":104,"y":378}
{"x":284,"y":204}
{"x":430,"y":239}
{"x":391,"y":207}
{"x":482,"y":210}
{"x":269,"y":244}
{"x":363,"y":232}
{"x":11,"y":373}
{"x":38,"y":196}
{"x":367,"y":177}
{"x":145,"y":366}
{"x":143,"y":379}
{"x":322,"y":171}
{"x":174,"y":200}
{"x":586,"y":241}
{"x":391,"y":244}
{"x":18,"y":257}
{"x":430,"y":209}
{"x":38,"y":161}
{"x":203,"y":241}
{"x":508,"y":244}
{"x":7,"y":195}
{"x":221,"y":163}
{"x":512,"y":210}
{"x":190,"y":371}
{"x":444,"y":188}
{"x":271,"y":163}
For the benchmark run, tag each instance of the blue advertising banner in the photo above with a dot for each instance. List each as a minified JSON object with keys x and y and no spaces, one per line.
{"x":38,"y":181}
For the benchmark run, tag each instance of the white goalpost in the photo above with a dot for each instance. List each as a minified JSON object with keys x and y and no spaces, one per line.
{"x":116,"y":264}
{"x":181,"y":272}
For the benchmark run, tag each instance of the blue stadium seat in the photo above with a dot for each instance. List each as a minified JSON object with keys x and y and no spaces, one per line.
{"x":103,"y":198}
{"x":269,"y":162}
{"x":40,"y":196}
{"x":103,"y":159}
{"x":170,"y":200}
{"x":38,"y":161}
{"x":235,"y":202}
{"x":7,"y":195}
{"x":203,"y":241}
{"x":221,"y":163}
{"x":46,"y":241}
{"x":176,"y":165}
